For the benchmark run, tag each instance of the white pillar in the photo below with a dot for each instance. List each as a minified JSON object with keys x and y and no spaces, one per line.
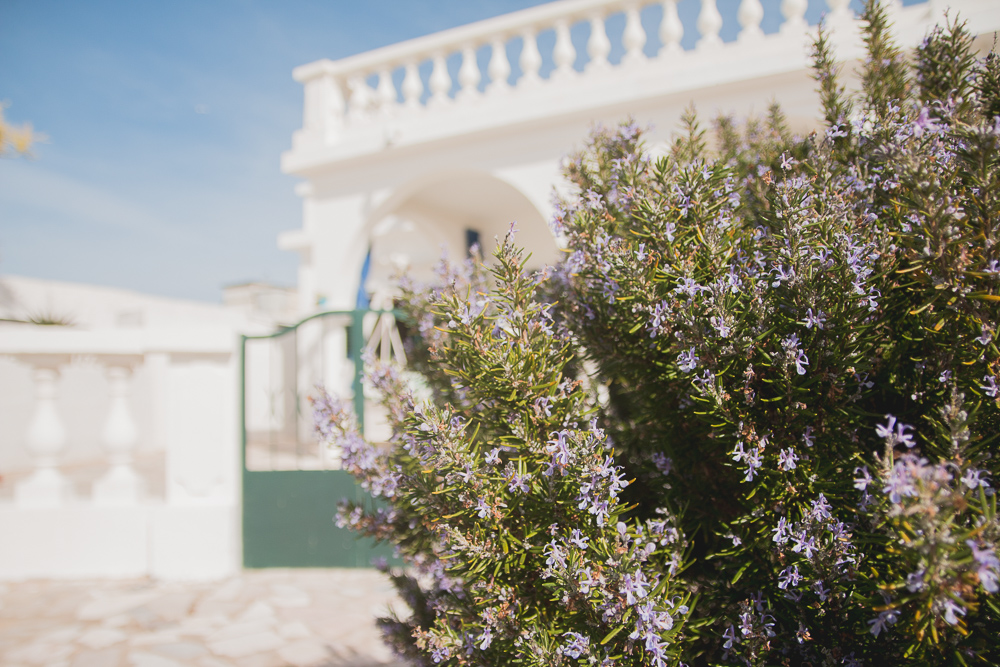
{"x":120,"y":485}
{"x":634,"y":36}
{"x":750,"y":14}
{"x":794,"y":12}
{"x":709,"y":24}
{"x":468,"y":73}
{"x":531,"y":59}
{"x":671,"y":28}
{"x":46,"y":439}
{"x":563,"y":53}
{"x":598,"y":46}
{"x":499,"y":67}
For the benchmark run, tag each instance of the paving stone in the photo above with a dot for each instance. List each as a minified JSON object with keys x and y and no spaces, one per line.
{"x":289,"y":596}
{"x":102,"y":638}
{"x":209,"y":661}
{"x":39,"y":654}
{"x":258,"y":611}
{"x":183,"y":651}
{"x":107,"y":657}
{"x":294,"y":630}
{"x":228,"y":591}
{"x":173,"y":606}
{"x":153,"y":638}
{"x":63,"y":635}
{"x":304,"y":653}
{"x":235,"y":630}
{"x":273,"y":618}
{"x":238,"y":647}
{"x":260,"y":660}
{"x":142,"y":659}
{"x":113,"y":605}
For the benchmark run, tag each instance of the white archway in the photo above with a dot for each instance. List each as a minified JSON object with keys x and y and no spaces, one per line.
{"x":440,"y":214}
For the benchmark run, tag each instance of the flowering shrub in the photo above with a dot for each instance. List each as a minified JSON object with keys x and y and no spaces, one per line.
{"x":750,"y":419}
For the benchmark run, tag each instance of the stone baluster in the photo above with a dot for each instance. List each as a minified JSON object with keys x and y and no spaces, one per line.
{"x":671,"y":28}
{"x":413,"y":87}
{"x":440,"y":81}
{"x":598,"y":46}
{"x":794,"y":12}
{"x":469,"y":75}
{"x":386,"y":92}
{"x":709,"y":24}
{"x":499,"y":67}
{"x":634,"y":36}
{"x":121,"y":485}
{"x":361,"y":97}
{"x":839,"y":8}
{"x":563,"y":53}
{"x":750,"y":14}
{"x":531,"y":59}
{"x":46,"y":439}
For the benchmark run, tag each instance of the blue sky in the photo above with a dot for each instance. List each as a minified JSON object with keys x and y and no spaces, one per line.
{"x":165,"y":123}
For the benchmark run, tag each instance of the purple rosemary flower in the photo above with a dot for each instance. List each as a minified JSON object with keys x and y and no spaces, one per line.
{"x":990,"y":388}
{"x":730,"y":636}
{"x":578,"y":539}
{"x":897,"y":437}
{"x":493,"y":458}
{"x":987,"y":566}
{"x":687,"y":361}
{"x":781,"y":532}
{"x":883,"y":621}
{"x":787,"y":459}
{"x":789,"y":577}
{"x":863,"y":480}
{"x":485,"y":639}
{"x":973,"y":478}
{"x":634,"y":588}
{"x":815,"y":320}
{"x":985,"y":336}
{"x":951,"y":608}
{"x":576,"y":646}
{"x":519,"y":483}
{"x":753,"y":465}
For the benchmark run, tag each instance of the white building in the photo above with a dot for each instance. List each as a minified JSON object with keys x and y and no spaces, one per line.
{"x":121,"y":435}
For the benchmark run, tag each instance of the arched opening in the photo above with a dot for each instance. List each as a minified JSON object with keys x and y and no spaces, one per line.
{"x":444,"y":215}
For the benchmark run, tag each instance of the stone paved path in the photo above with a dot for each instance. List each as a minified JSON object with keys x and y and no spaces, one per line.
{"x":262,"y":618}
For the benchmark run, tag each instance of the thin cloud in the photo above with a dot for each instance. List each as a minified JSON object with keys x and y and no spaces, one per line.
{"x":33,"y":187}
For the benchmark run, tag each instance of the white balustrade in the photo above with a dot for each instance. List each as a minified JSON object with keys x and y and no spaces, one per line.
{"x":184,"y":384}
{"x":351,"y":89}
{"x":46,"y":440}
{"x":121,"y":485}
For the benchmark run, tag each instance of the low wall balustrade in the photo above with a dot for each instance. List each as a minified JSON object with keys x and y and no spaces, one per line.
{"x":182,"y":523}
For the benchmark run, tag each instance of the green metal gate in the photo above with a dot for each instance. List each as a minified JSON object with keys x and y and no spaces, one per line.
{"x":291,"y":482}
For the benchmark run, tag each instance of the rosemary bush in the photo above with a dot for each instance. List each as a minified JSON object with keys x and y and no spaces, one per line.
{"x":751,"y":418}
